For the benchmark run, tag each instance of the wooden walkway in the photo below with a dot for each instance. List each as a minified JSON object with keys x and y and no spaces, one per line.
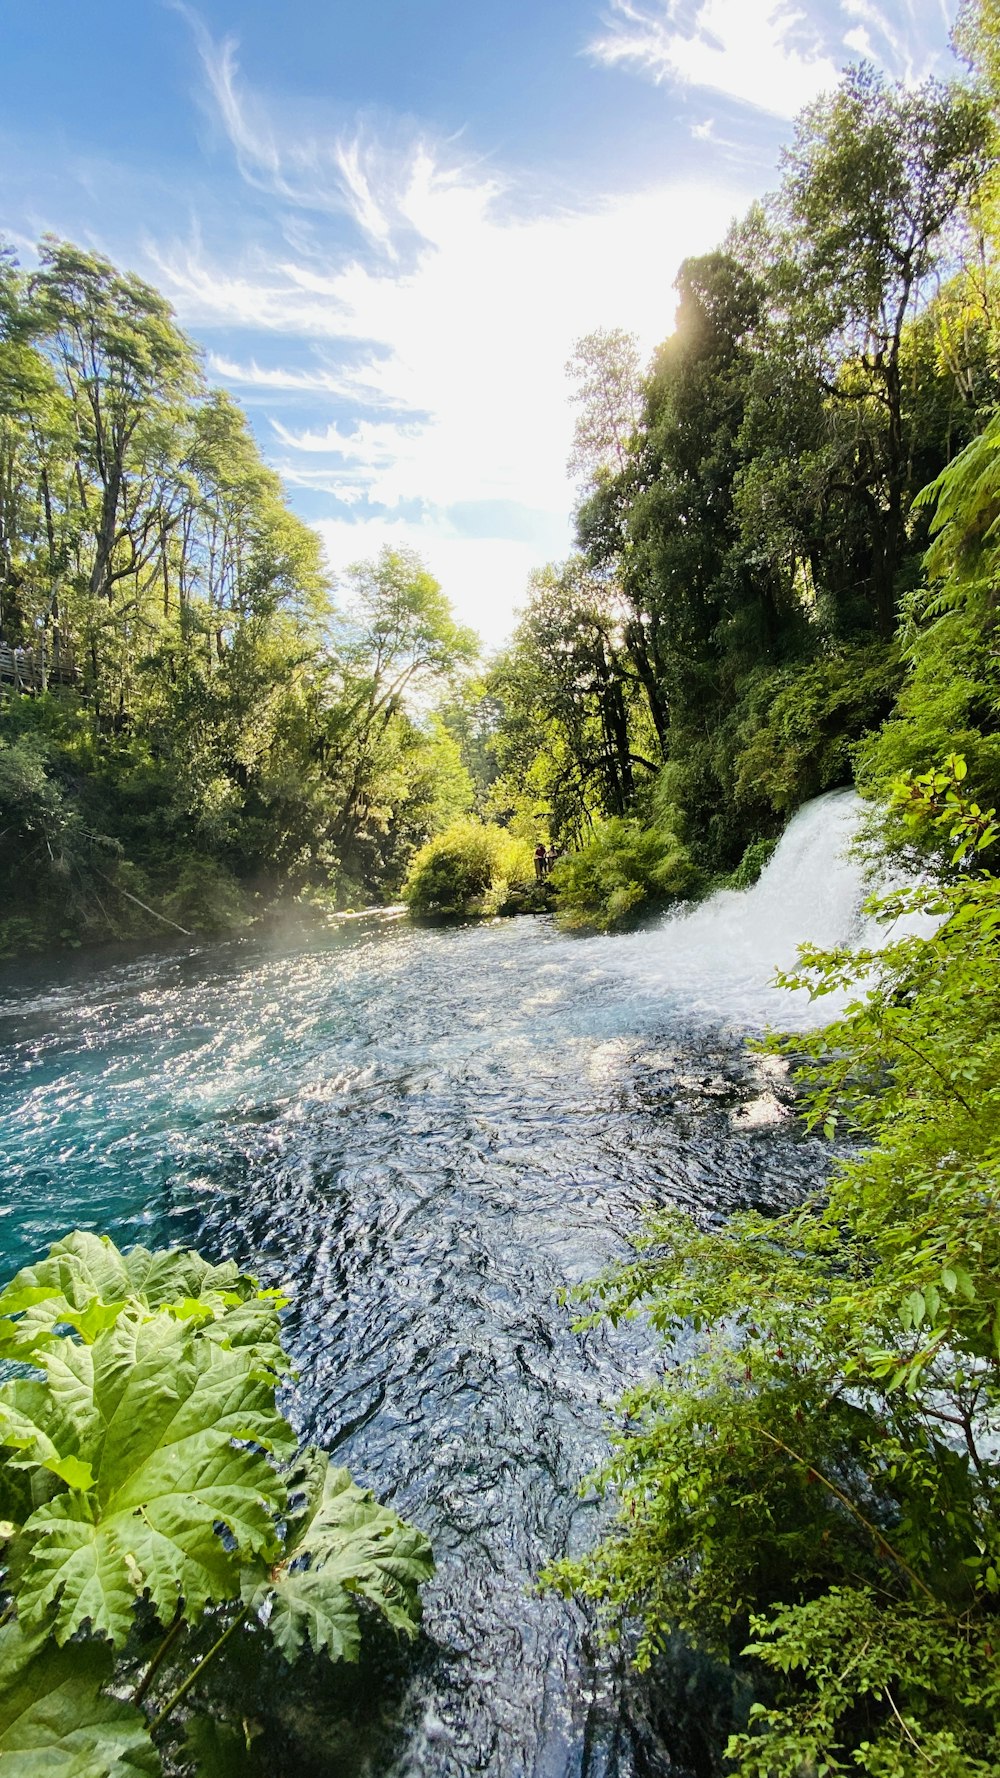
{"x":34,"y":669}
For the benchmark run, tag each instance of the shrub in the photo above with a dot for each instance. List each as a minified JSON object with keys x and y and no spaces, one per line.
{"x":751,"y":866}
{"x":152,"y":1488}
{"x":796,"y":728}
{"x":205,"y":897}
{"x":625,"y":868}
{"x":468,"y":871}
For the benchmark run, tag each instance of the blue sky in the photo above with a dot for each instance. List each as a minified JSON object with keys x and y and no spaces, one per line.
{"x":386,"y":223}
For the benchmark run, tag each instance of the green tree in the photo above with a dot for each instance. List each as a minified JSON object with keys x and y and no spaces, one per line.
{"x":399,"y":641}
{"x":808,"y":1490}
{"x":572,"y":731}
{"x":606,"y":370}
{"x":873,"y":190}
{"x":125,"y":369}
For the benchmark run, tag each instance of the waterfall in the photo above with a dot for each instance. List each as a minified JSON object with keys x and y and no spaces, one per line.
{"x":721,"y":956}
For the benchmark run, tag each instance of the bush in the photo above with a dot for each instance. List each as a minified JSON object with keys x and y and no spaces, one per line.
{"x":797,"y":727}
{"x":626,"y":868}
{"x":468,"y":872}
{"x":205,"y":897}
{"x":51,"y":861}
{"x":751,"y":866}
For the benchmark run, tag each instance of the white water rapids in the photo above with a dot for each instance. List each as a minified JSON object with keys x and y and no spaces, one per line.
{"x":720,"y":957}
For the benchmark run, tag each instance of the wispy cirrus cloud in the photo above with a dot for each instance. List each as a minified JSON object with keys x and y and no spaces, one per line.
{"x":435,"y":306}
{"x":308,"y":170}
{"x":745,"y":49}
{"x":345,"y":384}
{"x":776,"y":55}
{"x":908,"y":42}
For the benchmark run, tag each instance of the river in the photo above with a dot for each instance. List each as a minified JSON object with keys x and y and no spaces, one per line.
{"x":425,"y":1134}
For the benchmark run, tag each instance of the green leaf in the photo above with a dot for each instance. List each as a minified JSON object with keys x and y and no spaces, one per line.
{"x":55,"y":1719}
{"x":964,"y":1284}
{"x":71,"y":1470}
{"x":218,"y":1749}
{"x":344,"y":1546}
{"x":912,"y":1309}
{"x":153,"y":1410}
{"x":309,"y":1606}
{"x":86,"y":1283}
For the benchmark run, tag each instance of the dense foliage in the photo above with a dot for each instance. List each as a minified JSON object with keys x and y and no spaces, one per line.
{"x":186,"y":719}
{"x":155,"y":1508}
{"x":470,"y":871}
{"x":750,"y":526}
{"x":787,"y":575}
{"x":807,"y":1489}
{"x":626,"y":866}
{"x":810,"y":1487}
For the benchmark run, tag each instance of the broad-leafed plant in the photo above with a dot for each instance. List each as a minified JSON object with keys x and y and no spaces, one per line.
{"x":151,"y":1484}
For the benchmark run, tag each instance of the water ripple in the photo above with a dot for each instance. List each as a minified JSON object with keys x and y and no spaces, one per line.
{"x":427,"y":1135}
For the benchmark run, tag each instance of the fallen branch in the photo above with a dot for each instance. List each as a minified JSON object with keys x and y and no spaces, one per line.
{"x":141,"y":904}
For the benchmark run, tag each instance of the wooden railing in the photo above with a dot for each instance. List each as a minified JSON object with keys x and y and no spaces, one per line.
{"x":34,"y":669}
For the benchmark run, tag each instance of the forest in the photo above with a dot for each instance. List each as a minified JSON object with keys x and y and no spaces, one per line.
{"x":748,"y":619}
{"x":197,"y":724}
{"x":796,"y":517}
{"x":188,"y":719}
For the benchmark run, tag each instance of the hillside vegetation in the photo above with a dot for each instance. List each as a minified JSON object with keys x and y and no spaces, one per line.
{"x":190,"y":724}
{"x":747,"y":620}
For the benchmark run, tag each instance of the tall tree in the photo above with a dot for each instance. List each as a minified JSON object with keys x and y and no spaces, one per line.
{"x":873,"y":191}
{"x":398,"y":640}
{"x":126,"y":369}
{"x":571,"y":729}
{"x":606,"y":370}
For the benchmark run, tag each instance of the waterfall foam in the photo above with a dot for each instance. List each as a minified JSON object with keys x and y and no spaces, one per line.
{"x":721,"y":957}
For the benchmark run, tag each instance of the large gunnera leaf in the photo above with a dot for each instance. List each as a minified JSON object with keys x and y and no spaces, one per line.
{"x":85,"y":1284}
{"x":341,"y":1547}
{"x":55,"y":1722}
{"x":140,"y":1425}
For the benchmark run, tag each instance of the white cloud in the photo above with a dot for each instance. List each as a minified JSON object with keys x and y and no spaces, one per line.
{"x":373,"y":442}
{"x":768,"y":53}
{"x":474,"y":333}
{"x":346,"y":385}
{"x":909,"y":43}
{"x":455,"y":319}
{"x":743,"y":48}
{"x":484,"y":581}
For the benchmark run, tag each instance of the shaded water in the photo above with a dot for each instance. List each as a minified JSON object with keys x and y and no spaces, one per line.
{"x":426,"y":1134}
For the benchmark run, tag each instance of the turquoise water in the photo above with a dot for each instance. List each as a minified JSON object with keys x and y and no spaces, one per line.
{"x":426,"y":1135}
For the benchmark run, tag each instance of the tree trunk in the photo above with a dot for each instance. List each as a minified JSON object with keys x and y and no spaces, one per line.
{"x":100,"y":575}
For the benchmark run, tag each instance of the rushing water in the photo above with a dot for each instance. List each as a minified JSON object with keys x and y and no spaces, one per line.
{"x":426,"y":1134}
